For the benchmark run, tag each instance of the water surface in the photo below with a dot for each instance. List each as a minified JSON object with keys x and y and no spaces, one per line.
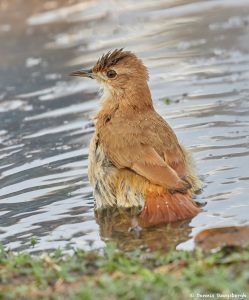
{"x":197,"y":53}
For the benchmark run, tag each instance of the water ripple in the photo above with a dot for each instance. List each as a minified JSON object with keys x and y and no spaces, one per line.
{"x":197,"y":58}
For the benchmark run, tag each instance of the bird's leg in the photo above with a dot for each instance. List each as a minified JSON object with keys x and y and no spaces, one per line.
{"x":135,"y":228}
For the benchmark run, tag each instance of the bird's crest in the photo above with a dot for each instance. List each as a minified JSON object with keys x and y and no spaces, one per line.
{"x":110,"y":59}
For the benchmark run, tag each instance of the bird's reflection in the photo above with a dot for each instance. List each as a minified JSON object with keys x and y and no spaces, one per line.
{"x":122,"y":227}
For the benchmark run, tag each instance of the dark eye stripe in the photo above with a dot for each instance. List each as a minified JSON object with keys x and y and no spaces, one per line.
{"x":111,"y":74}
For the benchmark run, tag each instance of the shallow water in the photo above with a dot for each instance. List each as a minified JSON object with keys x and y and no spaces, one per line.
{"x":197,"y":53}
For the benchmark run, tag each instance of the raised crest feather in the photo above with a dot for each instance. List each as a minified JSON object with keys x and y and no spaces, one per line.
{"x":111,"y":58}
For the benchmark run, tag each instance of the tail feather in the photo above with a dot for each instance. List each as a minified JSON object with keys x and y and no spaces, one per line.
{"x":166,"y":208}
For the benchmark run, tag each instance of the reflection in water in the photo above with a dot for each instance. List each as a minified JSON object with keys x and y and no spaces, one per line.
{"x":197,"y":53}
{"x":120,"y":226}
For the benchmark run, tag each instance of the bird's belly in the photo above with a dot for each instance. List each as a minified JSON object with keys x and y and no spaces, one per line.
{"x":112,"y":186}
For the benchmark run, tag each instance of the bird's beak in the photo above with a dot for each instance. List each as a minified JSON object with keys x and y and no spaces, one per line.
{"x":83,"y":73}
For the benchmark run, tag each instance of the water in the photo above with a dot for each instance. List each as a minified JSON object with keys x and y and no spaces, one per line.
{"x":197,"y":53}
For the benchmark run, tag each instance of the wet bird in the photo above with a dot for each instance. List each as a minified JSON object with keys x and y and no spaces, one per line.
{"x":135,"y":159}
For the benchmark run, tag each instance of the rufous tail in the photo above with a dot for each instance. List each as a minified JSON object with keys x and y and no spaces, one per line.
{"x":165,"y":208}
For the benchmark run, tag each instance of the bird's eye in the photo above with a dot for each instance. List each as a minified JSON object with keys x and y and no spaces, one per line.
{"x":111,"y":74}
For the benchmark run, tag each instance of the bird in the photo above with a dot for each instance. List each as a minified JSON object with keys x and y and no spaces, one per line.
{"x":135,"y":158}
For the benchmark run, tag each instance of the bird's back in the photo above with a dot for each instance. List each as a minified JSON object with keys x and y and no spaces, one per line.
{"x":125,"y":134}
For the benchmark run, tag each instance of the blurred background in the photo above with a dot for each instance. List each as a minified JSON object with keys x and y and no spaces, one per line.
{"x":197,"y":53}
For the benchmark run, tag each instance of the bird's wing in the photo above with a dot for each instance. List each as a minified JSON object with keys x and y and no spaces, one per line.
{"x":136,"y":150}
{"x":150,"y":165}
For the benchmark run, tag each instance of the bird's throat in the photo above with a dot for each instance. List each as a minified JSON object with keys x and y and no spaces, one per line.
{"x":138,"y":94}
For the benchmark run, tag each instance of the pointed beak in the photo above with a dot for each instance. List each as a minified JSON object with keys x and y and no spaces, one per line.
{"x":83,"y":73}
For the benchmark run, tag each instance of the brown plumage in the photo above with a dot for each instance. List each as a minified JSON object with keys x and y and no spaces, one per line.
{"x":135,"y":158}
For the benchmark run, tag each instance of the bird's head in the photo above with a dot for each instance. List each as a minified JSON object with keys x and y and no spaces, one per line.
{"x":117,"y":71}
